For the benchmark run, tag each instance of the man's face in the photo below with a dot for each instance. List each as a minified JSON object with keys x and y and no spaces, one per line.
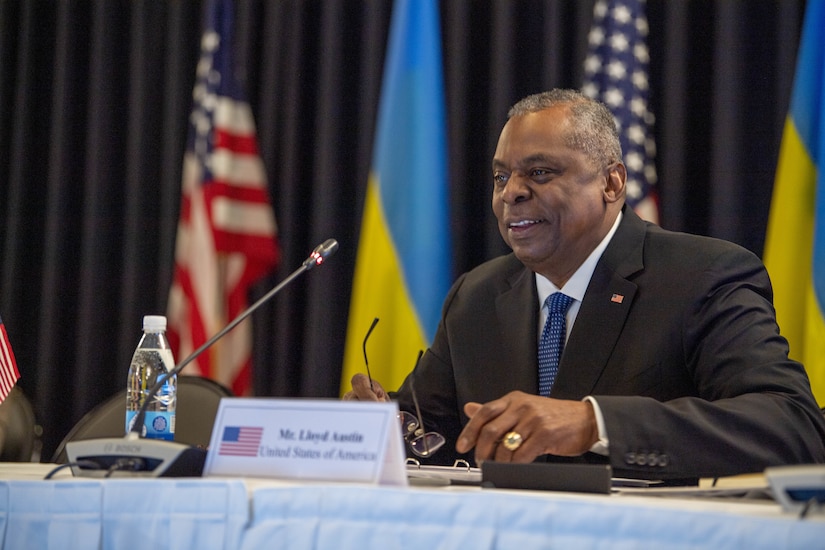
{"x":551,"y":201}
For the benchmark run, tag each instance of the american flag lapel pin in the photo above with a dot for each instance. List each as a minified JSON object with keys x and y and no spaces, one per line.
{"x":617,"y":298}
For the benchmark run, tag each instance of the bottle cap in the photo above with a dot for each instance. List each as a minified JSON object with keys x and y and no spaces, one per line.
{"x":154,"y":323}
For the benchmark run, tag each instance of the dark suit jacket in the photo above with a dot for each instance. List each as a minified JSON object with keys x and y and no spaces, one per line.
{"x":676,"y":339}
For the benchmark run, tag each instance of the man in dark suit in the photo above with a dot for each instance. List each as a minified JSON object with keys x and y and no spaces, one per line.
{"x":673,"y":365}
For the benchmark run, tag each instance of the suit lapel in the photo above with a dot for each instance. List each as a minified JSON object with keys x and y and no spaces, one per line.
{"x":517,"y":311}
{"x":603,"y":311}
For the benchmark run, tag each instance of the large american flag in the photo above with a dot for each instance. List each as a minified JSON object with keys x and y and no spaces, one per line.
{"x":226,"y":235}
{"x":616,"y":72}
{"x":8,"y":366}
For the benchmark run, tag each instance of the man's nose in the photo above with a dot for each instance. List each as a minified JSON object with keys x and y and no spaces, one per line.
{"x":516,"y":188}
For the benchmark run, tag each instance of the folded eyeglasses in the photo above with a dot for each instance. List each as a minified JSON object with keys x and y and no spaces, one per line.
{"x":420,"y":441}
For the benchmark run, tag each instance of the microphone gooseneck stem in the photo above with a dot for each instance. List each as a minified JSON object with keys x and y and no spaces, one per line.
{"x":317,"y":257}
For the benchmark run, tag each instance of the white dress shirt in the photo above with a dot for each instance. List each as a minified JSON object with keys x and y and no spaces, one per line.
{"x":575,"y":287}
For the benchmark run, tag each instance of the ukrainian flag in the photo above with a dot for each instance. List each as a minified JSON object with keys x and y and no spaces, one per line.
{"x":795,"y":243}
{"x":402,"y":271}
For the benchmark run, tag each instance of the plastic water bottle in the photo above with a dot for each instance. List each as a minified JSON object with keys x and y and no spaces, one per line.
{"x":152,"y":358}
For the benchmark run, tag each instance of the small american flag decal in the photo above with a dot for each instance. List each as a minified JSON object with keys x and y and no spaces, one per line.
{"x":617,"y":298}
{"x":240,"y":441}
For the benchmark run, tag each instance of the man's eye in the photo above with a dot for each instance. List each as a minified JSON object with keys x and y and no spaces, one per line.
{"x":499,"y":178}
{"x":542,"y":175}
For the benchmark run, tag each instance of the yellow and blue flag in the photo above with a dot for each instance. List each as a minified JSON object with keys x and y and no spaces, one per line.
{"x":795,"y":242}
{"x":402,"y":271}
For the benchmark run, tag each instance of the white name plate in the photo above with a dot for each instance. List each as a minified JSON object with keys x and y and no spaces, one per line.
{"x":310,"y":439}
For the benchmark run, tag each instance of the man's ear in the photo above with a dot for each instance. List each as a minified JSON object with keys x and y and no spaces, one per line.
{"x":614,"y":189}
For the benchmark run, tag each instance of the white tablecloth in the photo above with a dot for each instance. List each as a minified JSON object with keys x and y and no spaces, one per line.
{"x":253,"y":514}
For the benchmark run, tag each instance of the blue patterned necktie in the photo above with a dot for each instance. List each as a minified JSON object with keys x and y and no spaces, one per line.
{"x":552,"y":340}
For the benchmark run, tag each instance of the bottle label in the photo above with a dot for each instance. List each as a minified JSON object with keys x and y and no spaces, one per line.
{"x":156,"y":425}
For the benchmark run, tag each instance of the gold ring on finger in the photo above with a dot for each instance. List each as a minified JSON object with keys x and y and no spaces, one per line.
{"x":512,"y":441}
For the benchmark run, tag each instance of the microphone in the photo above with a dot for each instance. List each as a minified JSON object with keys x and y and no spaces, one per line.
{"x":136,"y":456}
{"x":319,"y":255}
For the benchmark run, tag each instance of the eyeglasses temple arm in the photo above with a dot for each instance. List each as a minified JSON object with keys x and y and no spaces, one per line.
{"x":367,"y":363}
{"x":414,"y":396}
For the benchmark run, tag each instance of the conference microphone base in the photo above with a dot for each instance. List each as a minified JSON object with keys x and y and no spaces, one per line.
{"x":134,"y":457}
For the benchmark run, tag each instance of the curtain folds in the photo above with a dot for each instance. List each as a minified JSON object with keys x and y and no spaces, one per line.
{"x":94,"y":102}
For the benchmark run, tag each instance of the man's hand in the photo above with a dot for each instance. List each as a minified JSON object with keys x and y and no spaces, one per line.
{"x":547,"y":426}
{"x":361,"y":390}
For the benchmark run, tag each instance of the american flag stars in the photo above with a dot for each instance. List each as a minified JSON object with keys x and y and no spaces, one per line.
{"x":616,"y":72}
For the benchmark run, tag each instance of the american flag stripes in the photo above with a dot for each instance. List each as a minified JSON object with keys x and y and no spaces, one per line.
{"x":616,"y":72}
{"x":8,"y":366}
{"x":240,"y":441}
{"x":226,"y":232}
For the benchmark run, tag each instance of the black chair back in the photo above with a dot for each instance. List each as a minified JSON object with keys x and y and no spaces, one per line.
{"x":18,"y":428}
{"x":197,"y":405}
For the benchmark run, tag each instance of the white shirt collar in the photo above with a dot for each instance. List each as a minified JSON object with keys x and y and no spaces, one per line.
{"x":576,"y":286}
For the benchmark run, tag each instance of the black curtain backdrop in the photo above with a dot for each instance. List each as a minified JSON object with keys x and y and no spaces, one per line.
{"x":94,"y":100}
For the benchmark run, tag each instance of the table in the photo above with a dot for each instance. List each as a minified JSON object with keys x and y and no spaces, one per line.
{"x":254,"y":513}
